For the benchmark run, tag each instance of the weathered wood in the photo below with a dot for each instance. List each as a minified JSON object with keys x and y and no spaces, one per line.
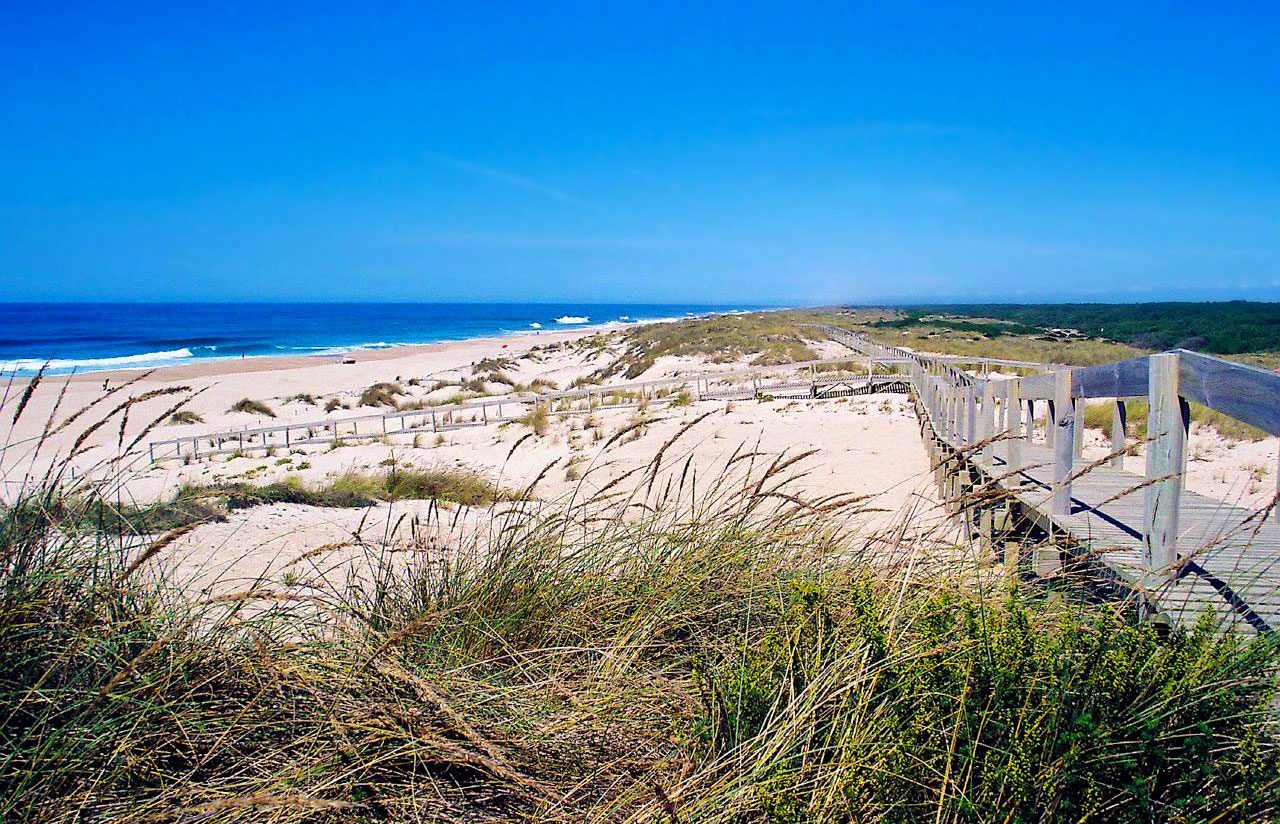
{"x":1118,"y":432}
{"x":1063,"y":446}
{"x":970,"y":414}
{"x":1013,"y":445}
{"x":986,"y":532}
{"x":1167,"y":434}
{"x":1077,"y":430}
{"x":1246,"y":393}
{"x":1122,"y":379}
{"x":1051,"y":424}
{"x":1038,"y":387}
{"x":987,"y":422}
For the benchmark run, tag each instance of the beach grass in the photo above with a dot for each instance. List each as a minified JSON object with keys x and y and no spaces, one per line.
{"x":185,"y":416}
{"x":381,"y":394}
{"x":674,"y":646}
{"x":252,"y":407}
{"x":769,"y":338}
{"x":731,"y":656}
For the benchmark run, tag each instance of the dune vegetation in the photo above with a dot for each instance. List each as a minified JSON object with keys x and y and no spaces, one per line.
{"x":643,"y":655}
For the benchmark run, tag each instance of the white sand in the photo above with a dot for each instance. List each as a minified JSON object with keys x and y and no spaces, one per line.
{"x":866,"y":446}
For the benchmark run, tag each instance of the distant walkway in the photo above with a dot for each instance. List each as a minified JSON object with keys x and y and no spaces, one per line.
{"x":498,"y":409}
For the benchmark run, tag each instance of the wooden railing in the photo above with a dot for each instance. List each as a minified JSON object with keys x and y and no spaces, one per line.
{"x":510,"y":407}
{"x":1000,"y":413}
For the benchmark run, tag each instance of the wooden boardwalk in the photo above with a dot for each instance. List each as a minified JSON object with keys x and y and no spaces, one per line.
{"x":1127,"y":519}
{"x":1229,"y":556}
{"x":741,"y":384}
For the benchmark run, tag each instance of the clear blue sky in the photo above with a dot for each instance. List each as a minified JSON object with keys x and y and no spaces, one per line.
{"x":684,"y":151}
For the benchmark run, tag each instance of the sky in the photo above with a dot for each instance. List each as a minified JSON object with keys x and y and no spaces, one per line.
{"x":782,"y":153}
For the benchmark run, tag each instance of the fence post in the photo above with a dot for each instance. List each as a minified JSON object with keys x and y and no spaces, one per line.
{"x":1117,"y":433}
{"x":988,"y":426}
{"x":1063,"y":446}
{"x":1013,"y":446}
{"x":1031,"y":421}
{"x":1167,"y":434}
{"x":1051,"y":419}
{"x":1077,"y":432}
{"x":970,"y":414}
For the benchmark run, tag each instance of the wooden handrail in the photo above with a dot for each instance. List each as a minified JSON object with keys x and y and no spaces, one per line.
{"x":1169,"y":381}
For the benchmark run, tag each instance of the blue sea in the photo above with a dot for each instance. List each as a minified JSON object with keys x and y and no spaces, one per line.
{"x":89,"y":337}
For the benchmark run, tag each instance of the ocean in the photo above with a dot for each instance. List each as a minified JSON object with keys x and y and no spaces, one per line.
{"x":90,"y":337}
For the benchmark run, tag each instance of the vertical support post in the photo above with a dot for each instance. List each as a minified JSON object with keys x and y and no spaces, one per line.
{"x":151,"y":452}
{"x":1051,"y":420}
{"x":1167,"y":430}
{"x":1077,"y":431}
{"x":1063,"y":446}
{"x":986,"y":531}
{"x":1118,"y":427}
{"x":987,"y":428}
{"x":970,"y":414}
{"x":1013,"y":446}
{"x":1031,"y":421}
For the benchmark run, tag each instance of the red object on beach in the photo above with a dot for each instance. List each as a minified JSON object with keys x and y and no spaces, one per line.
{"x":504,"y":346}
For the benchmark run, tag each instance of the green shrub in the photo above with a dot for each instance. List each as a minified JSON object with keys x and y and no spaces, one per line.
{"x":252,"y":407}
{"x":381,"y":394}
{"x":538,"y":419}
{"x":184,"y":416}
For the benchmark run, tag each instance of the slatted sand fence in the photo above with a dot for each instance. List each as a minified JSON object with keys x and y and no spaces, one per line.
{"x":1182,"y":553}
{"x":742,"y":384}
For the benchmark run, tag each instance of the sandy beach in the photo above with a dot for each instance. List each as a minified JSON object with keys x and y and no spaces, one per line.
{"x":864,"y":446}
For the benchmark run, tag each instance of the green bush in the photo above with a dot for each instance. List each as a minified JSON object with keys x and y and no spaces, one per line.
{"x":252,"y":407}
{"x":381,"y":394}
{"x":184,"y":416}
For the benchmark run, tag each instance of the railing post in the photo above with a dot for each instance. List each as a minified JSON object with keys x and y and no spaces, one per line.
{"x":1063,"y":447}
{"x":1166,"y":447}
{"x":1051,"y":420}
{"x":1013,"y":446}
{"x":1118,"y":413}
{"x":970,"y":414}
{"x":1031,"y":421}
{"x":988,"y":426}
{"x":1077,"y":432}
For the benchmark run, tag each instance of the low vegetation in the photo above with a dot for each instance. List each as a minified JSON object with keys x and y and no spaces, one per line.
{"x":538,"y":419}
{"x":737,"y":658}
{"x":252,"y":407}
{"x":184,"y":416}
{"x":381,"y":394}
{"x":770,"y":337}
{"x":194,"y":504}
{"x":1098,"y":416}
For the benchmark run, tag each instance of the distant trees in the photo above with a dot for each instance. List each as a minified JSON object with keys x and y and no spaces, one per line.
{"x":1225,"y":328}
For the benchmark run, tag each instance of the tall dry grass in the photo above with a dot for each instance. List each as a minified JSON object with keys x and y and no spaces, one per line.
{"x":663,"y":647}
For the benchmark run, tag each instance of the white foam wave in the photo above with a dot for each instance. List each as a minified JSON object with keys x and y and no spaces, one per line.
{"x":535,"y":326}
{"x":573,"y":319}
{"x":33,"y":364}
